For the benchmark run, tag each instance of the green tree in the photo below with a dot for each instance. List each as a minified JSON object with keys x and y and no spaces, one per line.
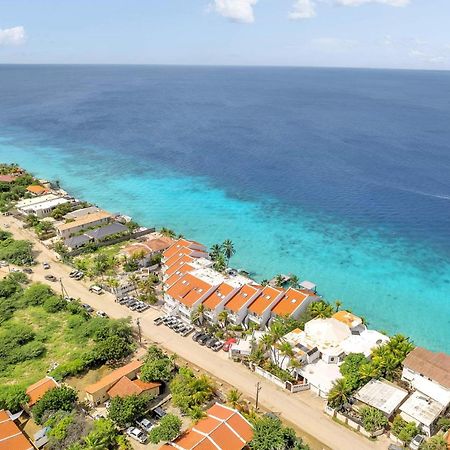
{"x":198,"y":315}
{"x":220,"y":263}
{"x":158,"y":366}
{"x":435,"y":443}
{"x":294,"y":281}
{"x":228,"y":249}
{"x":103,"y":436}
{"x":216,"y":250}
{"x":351,"y":370}
{"x":61,"y":398}
{"x":339,"y":394}
{"x":321,"y":310}
{"x":404,"y":430}
{"x":123,"y":411}
{"x":223,"y":318}
{"x":168,"y":232}
{"x":372,"y":419}
{"x":234,"y":398}
{"x":12,"y":398}
{"x":279,"y":280}
{"x":168,"y":429}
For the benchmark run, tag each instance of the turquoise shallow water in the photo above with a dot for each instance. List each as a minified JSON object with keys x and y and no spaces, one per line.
{"x":399,"y":286}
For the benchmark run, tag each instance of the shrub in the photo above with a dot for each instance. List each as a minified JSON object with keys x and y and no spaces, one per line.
{"x":168,"y":429}
{"x":157,"y":367}
{"x":36,"y":294}
{"x":373,"y":419}
{"x":12,"y":398}
{"x":123,"y":411}
{"x":54,"y":304}
{"x":404,"y":430}
{"x":58,"y":399}
{"x":70,"y":368}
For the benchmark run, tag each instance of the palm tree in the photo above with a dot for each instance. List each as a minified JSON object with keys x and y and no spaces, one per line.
{"x":339,"y":393}
{"x":279,"y":280}
{"x":216,"y":250}
{"x":223,"y":318}
{"x":220,"y":263}
{"x":321,"y":310}
{"x":234,"y":398}
{"x":167,"y":232}
{"x":228,"y":249}
{"x":134,"y":280}
{"x":96,"y":441}
{"x":294,"y":281}
{"x":198,"y":316}
{"x":264,"y":282}
{"x":285,"y":349}
{"x":337,"y":304}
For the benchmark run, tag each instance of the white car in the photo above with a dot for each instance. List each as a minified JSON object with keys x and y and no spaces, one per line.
{"x":102,"y":314}
{"x":137,"y":434}
{"x":145,"y":424}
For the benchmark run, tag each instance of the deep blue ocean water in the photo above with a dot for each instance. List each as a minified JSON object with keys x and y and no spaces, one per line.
{"x":341,"y":176}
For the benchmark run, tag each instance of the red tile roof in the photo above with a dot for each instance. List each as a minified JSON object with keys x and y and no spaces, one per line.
{"x":292,"y":299}
{"x":125,"y":387}
{"x":38,"y":389}
{"x":240,"y":298}
{"x":218,"y":296}
{"x":223,"y":429}
{"x":114,"y":376}
{"x":11,"y":437}
{"x":265,"y":300}
{"x":7,"y":178}
{"x":183,"y":246}
{"x":188,"y":290}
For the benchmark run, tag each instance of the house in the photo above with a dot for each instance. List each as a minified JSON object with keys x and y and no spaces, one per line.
{"x":382,"y":395}
{"x":422,"y":410}
{"x":45,"y":208}
{"x":7,"y":178}
{"x":429,"y":373}
{"x":191,"y":290}
{"x":11,"y":436}
{"x":259,"y":311}
{"x":125,"y":387}
{"x":97,"y":393}
{"x":34,"y":201}
{"x":82,"y":212}
{"x":355,"y":323}
{"x":215,"y":303}
{"x":35,"y":189}
{"x":68,"y":229}
{"x":38,"y":389}
{"x":319,"y":376}
{"x":223,"y":428}
{"x":364,"y":342}
{"x":237,"y":304}
{"x":184,"y":247}
{"x":101,"y":233}
{"x":156,"y":244}
{"x":76,"y":241}
{"x":293,"y":303}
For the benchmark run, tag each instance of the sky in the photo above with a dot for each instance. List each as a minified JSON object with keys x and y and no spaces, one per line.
{"x":406,"y":34}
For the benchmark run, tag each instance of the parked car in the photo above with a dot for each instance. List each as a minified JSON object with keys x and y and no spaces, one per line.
{"x":27,"y":270}
{"x":4,"y":263}
{"x":189,"y":329}
{"x":145,"y":424}
{"x":167,"y":319}
{"x":87,"y":307}
{"x":46,"y":265}
{"x":73,"y":273}
{"x":96,"y":289}
{"x":102,"y":314}
{"x":228,"y":343}
{"x":181,"y":328}
{"x":395,"y":447}
{"x":159,"y":412}
{"x":210,"y":342}
{"x":79,"y":275}
{"x":137,"y":434}
{"x":158,"y":321}
{"x":217,"y":346}
{"x":197,"y":335}
{"x":50,"y":278}
{"x":417,"y":442}
{"x":203,"y":339}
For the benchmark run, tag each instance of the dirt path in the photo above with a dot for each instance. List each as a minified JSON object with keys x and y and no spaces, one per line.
{"x":303,"y":409}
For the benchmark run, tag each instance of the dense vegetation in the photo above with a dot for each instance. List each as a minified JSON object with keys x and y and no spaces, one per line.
{"x":169,"y":428}
{"x":158,"y":366}
{"x":270,"y":434}
{"x":123,"y":411}
{"x":38,"y":328}
{"x":15,"y":252}
{"x":11,"y":192}
{"x":404,"y":430}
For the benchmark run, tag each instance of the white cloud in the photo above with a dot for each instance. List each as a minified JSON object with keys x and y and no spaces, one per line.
{"x":364,"y":2}
{"x":306,"y":9}
{"x":303,"y":9}
{"x":12,"y":36}
{"x":235,"y":10}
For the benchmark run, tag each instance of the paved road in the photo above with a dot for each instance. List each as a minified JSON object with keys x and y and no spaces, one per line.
{"x":302,"y":409}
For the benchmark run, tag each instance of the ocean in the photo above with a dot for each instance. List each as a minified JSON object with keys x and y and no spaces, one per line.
{"x":340,"y":176}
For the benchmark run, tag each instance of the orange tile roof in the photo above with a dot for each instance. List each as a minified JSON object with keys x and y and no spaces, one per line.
{"x":125,"y":387}
{"x":38,"y":389}
{"x":114,"y":376}
{"x":188,"y":290}
{"x":223,"y":429}
{"x":179,"y":274}
{"x":347,"y":318}
{"x":11,"y":437}
{"x":159,"y":244}
{"x":292,"y":299}
{"x":185,"y":244}
{"x":240,"y":298}
{"x":136,"y":248}
{"x":36,"y":189}
{"x":265,"y":299}
{"x":218,"y":296}
{"x":174,"y":264}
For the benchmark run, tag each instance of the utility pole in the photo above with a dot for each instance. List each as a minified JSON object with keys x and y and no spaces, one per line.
{"x":64,"y":292}
{"x":258,"y":388}
{"x":138,"y":322}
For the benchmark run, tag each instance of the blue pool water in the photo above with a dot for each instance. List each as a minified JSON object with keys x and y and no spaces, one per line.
{"x":340,"y":176}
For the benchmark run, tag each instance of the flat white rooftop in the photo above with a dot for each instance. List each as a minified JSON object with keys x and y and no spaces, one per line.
{"x":320,"y":374}
{"x":36,"y":200}
{"x":422,"y":408}
{"x":46,"y":204}
{"x":382,"y":395}
{"x":364,"y":342}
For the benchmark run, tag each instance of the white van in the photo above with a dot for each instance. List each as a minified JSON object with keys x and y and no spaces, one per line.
{"x":96,"y":289}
